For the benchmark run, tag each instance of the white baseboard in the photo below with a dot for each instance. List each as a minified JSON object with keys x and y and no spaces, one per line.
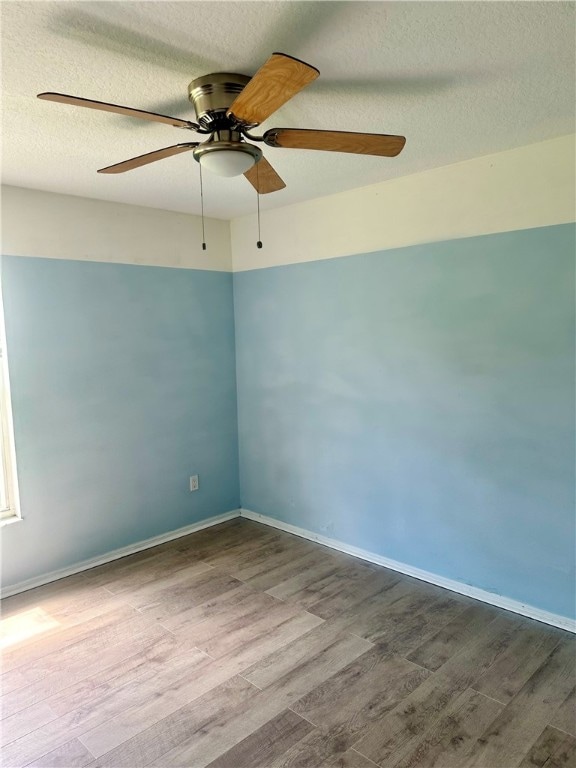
{"x":85,"y":565}
{"x":499,"y":601}
{"x":507,"y":603}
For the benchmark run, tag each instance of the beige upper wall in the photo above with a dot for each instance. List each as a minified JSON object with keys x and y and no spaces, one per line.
{"x":58,"y":226}
{"x":532,"y":186}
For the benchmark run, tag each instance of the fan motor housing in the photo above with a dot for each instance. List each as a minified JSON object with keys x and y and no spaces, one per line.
{"x":213,"y":94}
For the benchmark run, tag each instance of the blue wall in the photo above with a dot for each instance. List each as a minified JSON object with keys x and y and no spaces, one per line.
{"x":419,"y":403}
{"x":123,"y":385}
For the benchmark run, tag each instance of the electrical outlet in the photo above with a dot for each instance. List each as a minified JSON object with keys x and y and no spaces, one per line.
{"x":194,"y":482}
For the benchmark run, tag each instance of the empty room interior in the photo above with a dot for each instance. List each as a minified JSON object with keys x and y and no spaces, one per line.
{"x":287,"y":394}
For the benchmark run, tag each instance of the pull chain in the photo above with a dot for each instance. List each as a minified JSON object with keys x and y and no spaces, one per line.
{"x":202,"y":207}
{"x":259,"y":242}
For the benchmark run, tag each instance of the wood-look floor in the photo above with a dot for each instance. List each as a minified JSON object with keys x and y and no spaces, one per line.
{"x":243,"y":647}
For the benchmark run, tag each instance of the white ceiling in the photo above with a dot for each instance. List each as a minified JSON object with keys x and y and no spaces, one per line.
{"x":458,"y":79}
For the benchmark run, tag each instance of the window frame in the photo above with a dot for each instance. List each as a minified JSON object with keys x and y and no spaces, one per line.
{"x":9,"y":496}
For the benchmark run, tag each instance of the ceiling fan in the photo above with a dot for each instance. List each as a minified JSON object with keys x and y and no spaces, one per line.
{"x":228,"y":106}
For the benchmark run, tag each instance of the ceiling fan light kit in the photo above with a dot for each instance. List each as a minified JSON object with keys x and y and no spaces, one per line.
{"x":227,"y":154}
{"x":229,"y":105}
{"x":226,"y":161}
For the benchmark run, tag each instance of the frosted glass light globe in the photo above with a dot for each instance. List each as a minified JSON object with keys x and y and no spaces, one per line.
{"x":227,"y":162}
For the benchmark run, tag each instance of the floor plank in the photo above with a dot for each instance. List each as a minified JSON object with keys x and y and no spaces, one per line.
{"x":565,"y":717}
{"x":504,"y":742}
{"x":400,"y":618}
{"x":277,"y":573}
{"x":330,"y":605}
{"x":155,"y":658}
{"x":162,"y":602}
{"x":169,"y":583}
{"x":25,"y":721}
{"x":400,"y":731}
{"x":168,"y":732}
{"x":252,"y":615}
{"x":273,"y":642}
{"x":200,"y":750}
{"x":331,"y":581}
{"x":529,"y":649}
{"x":160,"y":566}
{"x":349,"y":759}
{"x":451,"y":738}
{"x":552,"y":749}
{"x":100,"y":625}
{"x":163,"y":695}
{"x":305,"y":587}
{"x":263,"y":747}
{"x":70,"y":755}
{"x":348,"y":703}
{"x":361,"y":692}
{"x":235,"y":598}
{"x":436,"y":650}
{"x":80,"y":661}
{"x":117,"y":703}
{"x":61,"y":598}
{"x":313,"y":644}
{"x":274,"y":555}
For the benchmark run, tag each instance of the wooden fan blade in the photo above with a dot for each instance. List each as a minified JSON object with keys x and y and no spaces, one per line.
{"x":280,"y":78}
{"x":336,"y":141}
{"x":264,"y":178}
{"x":76,"y":101}
{"x":149,"y":157}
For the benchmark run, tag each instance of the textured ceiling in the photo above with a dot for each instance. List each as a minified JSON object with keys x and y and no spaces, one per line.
{"x":458,"y":79}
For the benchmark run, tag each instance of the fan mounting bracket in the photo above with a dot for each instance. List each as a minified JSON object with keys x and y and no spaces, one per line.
{"x":271,"y":138}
